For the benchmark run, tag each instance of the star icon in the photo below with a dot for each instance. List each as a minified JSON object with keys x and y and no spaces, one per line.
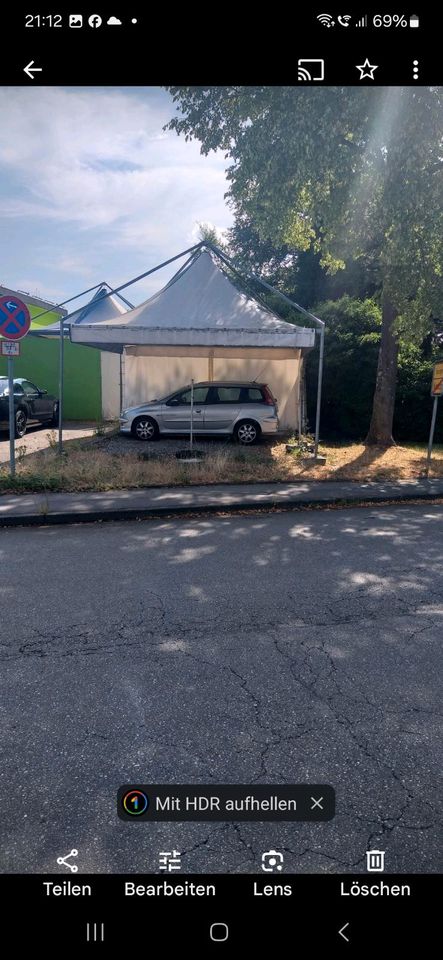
{"x":367,"y":70}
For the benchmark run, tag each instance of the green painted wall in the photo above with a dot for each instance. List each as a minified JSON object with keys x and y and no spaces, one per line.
{"x":39,"y":361}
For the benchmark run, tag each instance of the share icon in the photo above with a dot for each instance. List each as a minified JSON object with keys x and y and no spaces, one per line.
{"x":63,"y":861}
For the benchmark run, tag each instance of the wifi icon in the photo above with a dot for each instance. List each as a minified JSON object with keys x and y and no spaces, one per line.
{"x":326,"y":19}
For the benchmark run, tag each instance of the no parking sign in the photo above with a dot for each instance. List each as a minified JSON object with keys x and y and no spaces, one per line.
{"x":15,"y":318}
{"x":15,"y":321}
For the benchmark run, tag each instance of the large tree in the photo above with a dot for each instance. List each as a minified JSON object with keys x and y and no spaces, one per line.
{"x":350,"y":173}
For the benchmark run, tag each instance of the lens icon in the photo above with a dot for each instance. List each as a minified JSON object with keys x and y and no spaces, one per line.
{"x":135,"y":802}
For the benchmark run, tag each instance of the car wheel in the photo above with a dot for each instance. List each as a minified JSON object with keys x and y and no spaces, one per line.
{"x":20,"y":423}
{"x":247,"y":432}
{"x":54,"y":419}
{"x":145,"y":428}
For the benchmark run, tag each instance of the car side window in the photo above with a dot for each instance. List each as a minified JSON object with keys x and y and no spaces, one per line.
{"x":227,"y":394}
{"x":184,"y":399}
{"x":29,"y":387}
{"x":18,"y":389}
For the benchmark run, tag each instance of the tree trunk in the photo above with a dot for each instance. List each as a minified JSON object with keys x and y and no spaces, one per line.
{"x":380,"y":430}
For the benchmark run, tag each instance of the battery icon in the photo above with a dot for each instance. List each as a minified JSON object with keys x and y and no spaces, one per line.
{"x":414,"y":21}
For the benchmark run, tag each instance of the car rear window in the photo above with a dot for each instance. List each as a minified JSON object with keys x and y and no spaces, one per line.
{"x":4,"y":387}
{"x":251,"y":395}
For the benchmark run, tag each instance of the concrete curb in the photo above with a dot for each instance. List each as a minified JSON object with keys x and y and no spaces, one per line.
{"x":289,"y":505}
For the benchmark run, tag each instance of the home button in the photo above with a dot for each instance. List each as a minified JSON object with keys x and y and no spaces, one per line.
{"x":219,"y":932}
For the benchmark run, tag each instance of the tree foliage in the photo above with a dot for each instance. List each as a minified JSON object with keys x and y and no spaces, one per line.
{"x":352,"y":341}
{"x":348,"y":175}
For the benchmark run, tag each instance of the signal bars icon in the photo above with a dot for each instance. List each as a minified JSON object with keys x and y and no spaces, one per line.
{"x":363,"y":22}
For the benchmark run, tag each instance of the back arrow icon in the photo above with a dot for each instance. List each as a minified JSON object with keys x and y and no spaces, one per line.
{"x":343,"y":934}
{"x":30,"y":70}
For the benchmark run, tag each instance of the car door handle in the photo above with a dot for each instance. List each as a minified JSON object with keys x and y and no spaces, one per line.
{"x":197,"y":411}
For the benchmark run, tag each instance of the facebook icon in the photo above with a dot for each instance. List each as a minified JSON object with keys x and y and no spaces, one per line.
{"x":94,"y":20}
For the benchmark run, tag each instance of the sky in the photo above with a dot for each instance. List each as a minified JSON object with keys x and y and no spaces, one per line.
{"x":92,"y":188}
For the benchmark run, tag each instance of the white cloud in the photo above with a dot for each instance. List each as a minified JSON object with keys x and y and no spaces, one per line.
{"x":100,"y":159}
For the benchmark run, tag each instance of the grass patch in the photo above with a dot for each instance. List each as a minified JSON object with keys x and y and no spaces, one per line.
{"x":85,"y":466}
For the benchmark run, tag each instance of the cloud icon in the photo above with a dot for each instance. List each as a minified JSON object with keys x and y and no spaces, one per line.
{"x":114,"y":22}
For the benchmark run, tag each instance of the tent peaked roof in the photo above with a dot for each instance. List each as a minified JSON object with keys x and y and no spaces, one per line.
{"x":199,"y":306}
{"x":100,"y":307}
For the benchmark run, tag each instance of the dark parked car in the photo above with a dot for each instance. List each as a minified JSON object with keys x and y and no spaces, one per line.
{"x":31,"y":405}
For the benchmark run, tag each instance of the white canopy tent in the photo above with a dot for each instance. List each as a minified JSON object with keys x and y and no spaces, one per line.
{"x":202,"y":326}
{"x":102,"y":304}
{"x":200,"y":314}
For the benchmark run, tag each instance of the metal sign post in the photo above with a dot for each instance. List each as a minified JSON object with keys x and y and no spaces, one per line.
{"x":191,"y":435}
{"x":15,"y":321}
{"x":11,"y":416}
{"x":61,"y":375}
{"x":436,"y":392}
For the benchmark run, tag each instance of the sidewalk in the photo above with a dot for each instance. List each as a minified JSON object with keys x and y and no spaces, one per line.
{"x":39,"y":508}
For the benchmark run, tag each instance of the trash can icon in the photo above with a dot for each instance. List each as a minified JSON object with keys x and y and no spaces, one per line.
{"x":375,"y":861}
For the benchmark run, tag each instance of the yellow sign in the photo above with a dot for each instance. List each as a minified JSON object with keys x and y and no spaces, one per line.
{"x":437,"y":380}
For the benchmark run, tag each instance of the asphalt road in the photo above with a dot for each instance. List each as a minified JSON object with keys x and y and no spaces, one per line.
{"x":267,"y":648}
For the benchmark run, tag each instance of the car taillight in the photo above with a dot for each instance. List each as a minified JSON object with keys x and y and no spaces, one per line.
{"x":268,"y":398}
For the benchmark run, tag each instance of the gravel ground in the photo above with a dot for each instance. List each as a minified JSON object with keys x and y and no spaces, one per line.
{"x":121,"y":445}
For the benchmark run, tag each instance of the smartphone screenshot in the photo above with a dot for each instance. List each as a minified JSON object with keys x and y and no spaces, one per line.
{"x":221,"y":478}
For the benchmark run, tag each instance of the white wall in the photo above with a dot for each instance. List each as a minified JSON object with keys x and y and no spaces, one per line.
{"x":110,"y":372}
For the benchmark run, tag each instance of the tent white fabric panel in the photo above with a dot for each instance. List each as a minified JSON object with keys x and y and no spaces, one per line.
{"x":198,"y":307}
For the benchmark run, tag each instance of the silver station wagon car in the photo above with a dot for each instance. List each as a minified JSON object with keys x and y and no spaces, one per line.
{"x":244,"y":410}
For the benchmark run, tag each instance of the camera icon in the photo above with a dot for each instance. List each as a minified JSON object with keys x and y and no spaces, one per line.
{"x":271,"y":861}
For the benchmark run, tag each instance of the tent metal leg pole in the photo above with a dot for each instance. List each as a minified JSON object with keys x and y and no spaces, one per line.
{"x":299,"y":397}
{"x":191,"y":435}
{"x":60,"y":387}
{"x":319,"y":386}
